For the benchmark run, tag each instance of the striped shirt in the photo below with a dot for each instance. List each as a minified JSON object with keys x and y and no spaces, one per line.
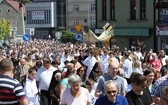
{"x":11,"y":91}
{"x":159,"y":86}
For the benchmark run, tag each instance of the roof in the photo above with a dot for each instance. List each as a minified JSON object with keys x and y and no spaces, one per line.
{"x":15,"y":5}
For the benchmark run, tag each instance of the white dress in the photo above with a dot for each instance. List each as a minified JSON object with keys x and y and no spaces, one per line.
{"x":30,"y":90}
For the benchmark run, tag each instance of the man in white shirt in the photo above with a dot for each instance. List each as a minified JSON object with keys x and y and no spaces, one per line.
{"x":104,"y":62}
{"x":162,"y":56}
{"x":65,"y":56}
{"x":138,"y":53}
{"x":44,"y":81}
{"x":127,"y":65}
{"x":89,"y":62}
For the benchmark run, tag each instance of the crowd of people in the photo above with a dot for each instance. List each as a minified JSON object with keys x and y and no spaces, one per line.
{"x":45,"y":72}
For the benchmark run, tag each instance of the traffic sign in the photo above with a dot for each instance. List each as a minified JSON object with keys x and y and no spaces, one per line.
{"x":26,"y":37}
{"x":78,"y":28}
{"x":78,"y":36}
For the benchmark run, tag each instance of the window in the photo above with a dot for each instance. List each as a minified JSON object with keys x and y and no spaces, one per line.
{"x":8,"y":10}
{"x":133,"y":9}
{"x":164,"y":16}
{"x":142,"y":9}
{"x":92,"y":22}
{"x":44,"y":18}
{"x":92,"y":7}
{"x":76,"y":21}
{"x":159,"y":15}
{"x":76,"y":7}
{"x":104,"y":9}
{"x":112,"y":9}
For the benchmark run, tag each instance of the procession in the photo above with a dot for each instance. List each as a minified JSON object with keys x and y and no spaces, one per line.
{"x":45,"y":72}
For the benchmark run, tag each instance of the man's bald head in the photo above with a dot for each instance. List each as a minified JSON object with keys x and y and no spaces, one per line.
{"x":6,"y":65}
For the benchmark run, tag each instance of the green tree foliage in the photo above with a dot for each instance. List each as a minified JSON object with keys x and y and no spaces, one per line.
{"x":24,"y":1}
{"x":67,"y":36}
{"x":5,"y":28}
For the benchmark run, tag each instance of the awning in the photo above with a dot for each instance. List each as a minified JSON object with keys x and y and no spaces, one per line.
{"x":131,"y":32}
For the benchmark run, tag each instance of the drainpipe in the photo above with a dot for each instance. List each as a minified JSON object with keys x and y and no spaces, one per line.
{"x":154,"y":27}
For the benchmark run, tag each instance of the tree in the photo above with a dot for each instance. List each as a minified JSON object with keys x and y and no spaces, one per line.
{"x":5,"y":28}
{"x":67,"y":36}
{"x":23,"y":2}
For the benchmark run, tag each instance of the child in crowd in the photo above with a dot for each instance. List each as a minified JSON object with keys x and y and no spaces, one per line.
{"x":30,"y":88}
{"x":89,"y":85}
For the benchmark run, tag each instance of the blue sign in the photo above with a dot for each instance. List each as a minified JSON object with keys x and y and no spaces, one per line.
{"x":26,"y":37}
{"x":78,"y":36}
{"x":73,"y":30}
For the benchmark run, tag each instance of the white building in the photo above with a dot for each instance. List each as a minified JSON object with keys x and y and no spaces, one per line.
{"x":42,"y":17}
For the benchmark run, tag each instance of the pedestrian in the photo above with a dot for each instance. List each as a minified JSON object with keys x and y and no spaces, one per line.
{"x":44,"y":81}
{"x":30,"y":87}
{"x":89,"y":62}
{"x":75,"y":95}
{"x":139,"y":94}
{"x":159,"y":86}
{"x":11,"y":91}
{"x":111,"y":75}
{"x":54,"y":87}
{"x":127,"y":65}
{"x":155,"y":65}
{"x":89,"y":85}
{"x":112,"y":97}
{"x":164,"y":69}
{"x":96,"y":72}
{"x":82,"y":73}
{"x":149,"y":74}
{"x":21,"y":71}
{"x":64,"y":82}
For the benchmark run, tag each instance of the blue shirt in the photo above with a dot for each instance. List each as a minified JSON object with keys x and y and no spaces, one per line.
{"x":120,"y":81}
{"x":65,"y":82}
{"x":120,"y":100}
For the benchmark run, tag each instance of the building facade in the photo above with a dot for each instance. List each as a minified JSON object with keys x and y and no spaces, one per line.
{"x":41,"y":17}
{"x":51,"y":16}
{"x":161,"y":24}
{"x":132,"y":20}
{"x":80,"y":12}
{"x":46,"y":17}
{"x":13,"y":12}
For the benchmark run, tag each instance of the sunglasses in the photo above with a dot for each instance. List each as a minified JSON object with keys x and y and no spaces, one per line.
{"x":114,"y":68}
{"x":109,"y":92}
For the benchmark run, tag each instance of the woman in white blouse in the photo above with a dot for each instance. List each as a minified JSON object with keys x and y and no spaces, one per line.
{"x":75,"y":95}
